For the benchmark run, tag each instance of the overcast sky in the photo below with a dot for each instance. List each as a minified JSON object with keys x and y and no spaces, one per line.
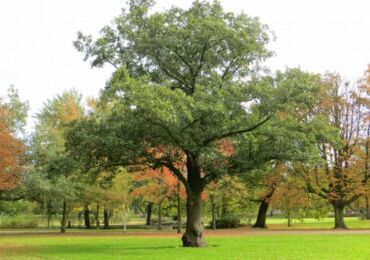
{"x":37,"y":56}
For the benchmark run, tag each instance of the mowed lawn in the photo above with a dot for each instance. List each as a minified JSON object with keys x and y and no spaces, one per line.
{"x":312,"y":223}
{"x":259,"y":245}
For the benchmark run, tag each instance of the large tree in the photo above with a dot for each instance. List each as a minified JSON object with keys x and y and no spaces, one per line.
{"x":185,"y":80}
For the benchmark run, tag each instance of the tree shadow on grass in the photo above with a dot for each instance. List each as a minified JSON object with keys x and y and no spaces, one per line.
{"x":96,"y":249}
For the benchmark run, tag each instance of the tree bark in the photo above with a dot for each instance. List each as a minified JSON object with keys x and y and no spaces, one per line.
{"x":339,"y":216}
{"x":213,"y":209}
{"x":64,"y":218}
{"x":124,"y":217}
{"x":87,"y":217}
{"x":262,"y":211}
{"x":160,"y":215}
{"x":106,"y":217}
{"x":179,"y":224}
{"x":289,"y":218}
{"x":367,"y":212}
{"x":261,"y":217}
{"x":97,"y":216}
{"x":48,"y":214}
{"x":224,"y":207}
{"x":193,"y":236}
{"x":149,"y":211}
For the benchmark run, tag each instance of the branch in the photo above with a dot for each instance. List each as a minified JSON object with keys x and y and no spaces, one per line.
{"x":168,"y":131}
{"x":177,"y":173}
{"x":355,"y":197}
{"x":241,"y":131}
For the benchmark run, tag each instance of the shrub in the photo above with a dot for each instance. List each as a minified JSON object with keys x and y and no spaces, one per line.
{"x":14,"y":224}
{"x":228,"y":223}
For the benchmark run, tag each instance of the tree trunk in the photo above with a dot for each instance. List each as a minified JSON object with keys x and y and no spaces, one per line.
{"x":262,"y":211}
{"x":97,"y":216}
{"x":193,"y":236}
{"x":261,"y":217}
{"x":149,"y":214}
{"x":160,"y":215}
{"x":339,"y":216}
{"x":224,"y":207}
{"x":49,"y":213}
{"x":106,"y":217}
{"x":87,"y":217}
{"x":124,"y":218}
{"x":367,"y":212}
{"x":179,"y":224}
{"x":64,"y":218}
{"x":289,"y":218}
{"x":213,"y":209}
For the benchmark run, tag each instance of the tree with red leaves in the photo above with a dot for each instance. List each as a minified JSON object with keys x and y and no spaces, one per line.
{"x":12,"y":118}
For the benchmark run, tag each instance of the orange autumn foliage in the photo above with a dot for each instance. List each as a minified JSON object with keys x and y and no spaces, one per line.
{"x":11,"y":151}
{"x":157,"y":184}
{"x":226,"y":147}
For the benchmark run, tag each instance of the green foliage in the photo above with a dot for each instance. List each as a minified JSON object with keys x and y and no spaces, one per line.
{"x":12,"y":208}
{"x":202,"y":45}
{"x":17,"y":116}
{"x":54,"y":174}
{"x":230,"y":198}
{"x":231,"y":222}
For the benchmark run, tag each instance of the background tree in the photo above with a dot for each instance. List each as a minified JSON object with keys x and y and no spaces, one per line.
{"x":288,"y":137}
{"x":228,"y":202}
{"x":156,"y":186}
{"x":13,"y":113}
{"x":339,"y":178}
{"x":51,"y":161}
{"x":120,"y":194}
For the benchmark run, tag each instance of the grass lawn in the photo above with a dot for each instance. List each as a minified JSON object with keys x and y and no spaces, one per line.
{"x":266,"y":245}
{"x":312,"y":223}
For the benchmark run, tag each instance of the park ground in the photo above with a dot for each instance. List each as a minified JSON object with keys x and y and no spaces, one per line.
{"x":308,"y":240}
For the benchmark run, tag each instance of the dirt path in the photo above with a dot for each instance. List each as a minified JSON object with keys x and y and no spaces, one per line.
{"x":243,"y":231}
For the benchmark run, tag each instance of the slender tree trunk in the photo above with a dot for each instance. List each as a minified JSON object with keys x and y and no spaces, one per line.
{"x":289,"y":218}
{"x":224,"y":207}
{"x":160,"y":215}
{"x":339,"y":215}
{"x":64,"y":218}
{"x":261,"y":217}
{"x":97,"y":216}
{"x":149,"y":211}
{"x":367,"y":213}
{"x":213,"y":209}
{"x":124,"y":217}
{"x":87,"y":217}
{"x":106,"y":217}
{"x":48,"y":214}
{"x":179,"y":224}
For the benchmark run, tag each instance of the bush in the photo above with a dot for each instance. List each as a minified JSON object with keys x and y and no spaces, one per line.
{"x":14,"y":224}
{"x":227,"y":223}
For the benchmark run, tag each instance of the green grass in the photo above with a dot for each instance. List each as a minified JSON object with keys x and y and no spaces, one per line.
{"x":264,"y":246}
{"x":312,"y":223}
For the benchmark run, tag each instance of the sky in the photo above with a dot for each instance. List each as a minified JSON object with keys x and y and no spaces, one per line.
{"x":38,"y":58}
